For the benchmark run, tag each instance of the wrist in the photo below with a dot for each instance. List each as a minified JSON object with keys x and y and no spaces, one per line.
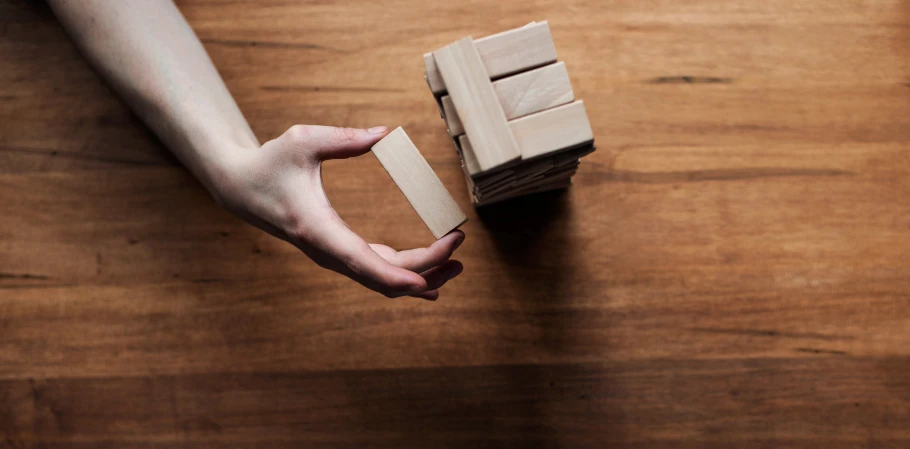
{"x":221,"y":171}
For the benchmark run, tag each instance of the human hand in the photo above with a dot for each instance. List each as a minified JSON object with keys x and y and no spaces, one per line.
{"x":278,"y":188}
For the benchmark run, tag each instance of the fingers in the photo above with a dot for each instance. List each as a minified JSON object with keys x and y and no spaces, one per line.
{"x":437,"y":277}
{"x":376,"y":273}
{"x":345,"y":252}
{"x":336,"y":247}
{"x":329,"y":142}
{"x":422,"y":259}
{"x":433,"y":262}
{"x":430,"y":295}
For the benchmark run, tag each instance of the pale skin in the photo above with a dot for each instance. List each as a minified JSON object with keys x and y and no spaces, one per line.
{"x":148,"y":53}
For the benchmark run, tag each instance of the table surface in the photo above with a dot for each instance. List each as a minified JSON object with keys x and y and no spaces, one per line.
{"x":731,"y":268}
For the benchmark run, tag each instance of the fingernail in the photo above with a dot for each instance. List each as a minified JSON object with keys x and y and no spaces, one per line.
{"x":458,"y":242}
{"x":378,"y":129}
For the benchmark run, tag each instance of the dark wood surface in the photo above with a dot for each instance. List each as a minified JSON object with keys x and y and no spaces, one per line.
{"x":730,"y":269}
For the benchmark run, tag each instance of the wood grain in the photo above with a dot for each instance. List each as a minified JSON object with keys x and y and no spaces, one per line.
{"x":419,"y":184}
{"x":728,"y":269}
{"x":521,"y":94}
{"x":504,"y":53}
{"x":473,"y":96}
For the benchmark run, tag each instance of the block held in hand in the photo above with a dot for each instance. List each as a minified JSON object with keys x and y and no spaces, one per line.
{"x":419,"y":183}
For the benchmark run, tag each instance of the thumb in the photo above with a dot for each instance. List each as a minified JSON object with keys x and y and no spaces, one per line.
{"x":340,"y":143}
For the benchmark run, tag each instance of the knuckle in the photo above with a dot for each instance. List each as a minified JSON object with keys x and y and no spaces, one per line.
{"x":350,"y":263}
{"x":298,"y":132}
{"x":295,"y":228}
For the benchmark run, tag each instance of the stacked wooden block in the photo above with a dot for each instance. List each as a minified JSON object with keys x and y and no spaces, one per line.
{"x":510,"y":110}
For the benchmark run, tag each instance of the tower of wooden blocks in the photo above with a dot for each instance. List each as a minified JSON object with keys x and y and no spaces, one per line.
{"x":509,"y":107}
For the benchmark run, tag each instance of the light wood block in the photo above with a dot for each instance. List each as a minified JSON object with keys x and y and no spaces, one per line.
{"x":419,"y":183}
{"x":522,"y":94}
{"x":476,"y":102}
{"x":552,"y":130}
{"x":539,"y":134}
{"x":471,"y":165}
{"x":505,"y":53}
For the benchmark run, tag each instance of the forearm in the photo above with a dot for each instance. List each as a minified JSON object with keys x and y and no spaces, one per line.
{"x":151,"y":57}
{"x":148,"y":53}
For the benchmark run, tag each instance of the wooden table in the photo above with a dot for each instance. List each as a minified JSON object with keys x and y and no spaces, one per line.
{"x":730,"y":269}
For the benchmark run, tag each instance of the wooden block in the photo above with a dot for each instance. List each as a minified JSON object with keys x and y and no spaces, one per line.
{"x":552,"y":130}
{"x":505,"y":53}
{"x":467,"y":156}
{"x":529,"y":187}
{"x":539,"y":165}
{"x":516,"y":176}
{"x":556,"y":173}
{"x":517,"y":181}
{"x":475,"y":100}
{"x":522,"y":94}
{"x":419,"y":183}
{"x":547,"y":185}
{"x":540,"y":134}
